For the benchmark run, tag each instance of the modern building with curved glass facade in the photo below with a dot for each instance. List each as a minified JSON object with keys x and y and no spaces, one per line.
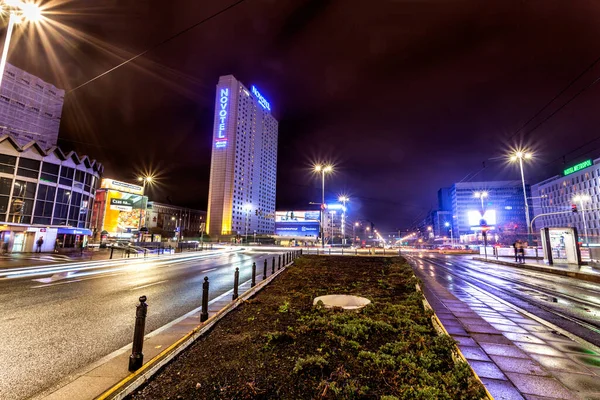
{"x":44,"y":194}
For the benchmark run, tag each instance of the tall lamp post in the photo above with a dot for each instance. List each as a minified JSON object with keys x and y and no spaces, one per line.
{"x":144,"y":179}
{"x":18,"y":12}
{"x":354,"y":233}
{"x":580,"y":198}
{"x":520,"y":156}
{"x":447,"y":225}
{"x":323,"y":169}
{"x":247,"y":208}
{"x":343,"y":199}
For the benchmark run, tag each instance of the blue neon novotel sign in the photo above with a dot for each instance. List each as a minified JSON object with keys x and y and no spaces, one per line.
{"x":221,"y":141}
{"x":261,"y":100}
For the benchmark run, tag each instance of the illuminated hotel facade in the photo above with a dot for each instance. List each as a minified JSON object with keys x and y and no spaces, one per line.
{"x":241,"y":197}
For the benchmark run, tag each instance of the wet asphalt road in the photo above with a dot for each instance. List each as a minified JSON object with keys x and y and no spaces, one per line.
{"x":568,"y":303}
{"x":52,"y":328}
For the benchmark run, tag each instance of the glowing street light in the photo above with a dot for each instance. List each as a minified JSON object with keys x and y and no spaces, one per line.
{"x":323,"y":169}
{"x":19,"y":12}
{"x":144,"y":179}
{"x":580,"y":198}
{"x":520,"y":156}
{"x":447,"y":225}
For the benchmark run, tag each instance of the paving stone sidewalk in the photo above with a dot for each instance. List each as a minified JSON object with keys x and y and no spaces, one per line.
{"x":515,"y":356}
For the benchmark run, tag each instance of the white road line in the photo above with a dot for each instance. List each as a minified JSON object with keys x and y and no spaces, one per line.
{"x":71,"y":281}
{"x":208,"y":270}
{"x":148,"y":285}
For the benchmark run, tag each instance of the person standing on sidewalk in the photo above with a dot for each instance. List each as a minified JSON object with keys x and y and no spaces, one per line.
{"x":521,"y":252}
{"x":39,"y":243}
{"x":515,"y":246}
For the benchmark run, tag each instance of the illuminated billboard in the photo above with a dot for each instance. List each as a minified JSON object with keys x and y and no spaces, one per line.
{"x":476,"y":219}
{"x":123,"y":212}
{"x":297,"y":216}
{"x":121,"y":186}
{"x":297,"y":223}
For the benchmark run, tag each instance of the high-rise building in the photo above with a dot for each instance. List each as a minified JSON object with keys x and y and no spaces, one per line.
{"x":553,"y":199}
{"x":243,"y":167}
{"x":444,"y":199}
{"x":503,"y":207}
{"x":30,"y":109}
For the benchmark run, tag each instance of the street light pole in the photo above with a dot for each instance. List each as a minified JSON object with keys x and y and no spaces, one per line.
{"x":18,"y":12}
{"x":323,"y":169}
{"x":520,"y":155}
{"x":343,"y":199}
{"x":581,"y":198}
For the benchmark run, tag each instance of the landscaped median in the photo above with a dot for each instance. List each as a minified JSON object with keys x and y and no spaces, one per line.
{"x":278,"y":345}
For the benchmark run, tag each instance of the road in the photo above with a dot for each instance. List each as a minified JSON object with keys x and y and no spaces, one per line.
{"x":53,"y":324}
{"x":572,"y":305}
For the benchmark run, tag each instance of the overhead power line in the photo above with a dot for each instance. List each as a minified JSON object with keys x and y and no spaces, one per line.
{"x":157,"y":45}
{"x":541,"y":110}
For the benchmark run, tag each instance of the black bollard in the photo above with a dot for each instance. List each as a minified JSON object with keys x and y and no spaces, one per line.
{"x":300,"y":251}
{"x":136,"y":359}
{"x":273,"y":266}
{"x":204,"y":312}
{"x":265,"y":270}
{"x":112,"y":249}
{"x":330,"y":251}
{"x":279,"y":263}
{"x":253,"y":275}
{"x":236,"y":282}
{"x":145,"y":252}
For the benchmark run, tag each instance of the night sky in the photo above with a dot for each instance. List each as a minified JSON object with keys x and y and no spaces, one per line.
{"x":404,"y":96}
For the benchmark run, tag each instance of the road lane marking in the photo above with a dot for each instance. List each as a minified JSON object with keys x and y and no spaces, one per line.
{"x":148,"y":285}
{"x":71,"y":281}
{"x":209,"y":270}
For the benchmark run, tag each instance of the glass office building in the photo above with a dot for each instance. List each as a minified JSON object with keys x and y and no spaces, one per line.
{"x":47,"y":190}
{"x":503,"y":208}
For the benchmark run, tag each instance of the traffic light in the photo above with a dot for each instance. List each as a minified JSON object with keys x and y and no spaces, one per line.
{"x":574,"y":208}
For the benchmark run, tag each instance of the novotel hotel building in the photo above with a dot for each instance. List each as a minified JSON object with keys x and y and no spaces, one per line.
{"x":241,"y":197}
{"x":554,"y":197}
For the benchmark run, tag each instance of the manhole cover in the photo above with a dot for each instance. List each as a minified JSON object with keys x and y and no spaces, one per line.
{"x":344,"y":301}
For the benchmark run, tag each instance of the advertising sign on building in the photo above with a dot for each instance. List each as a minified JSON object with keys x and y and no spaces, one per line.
{"x":477,"y":220}
{"x":123,"y":213}
{"x":297,"y":223}
{"x":121,"y":186}
{"x":121,"y":204}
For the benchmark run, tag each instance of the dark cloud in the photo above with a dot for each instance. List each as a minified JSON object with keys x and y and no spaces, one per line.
{"x":404,"y":96}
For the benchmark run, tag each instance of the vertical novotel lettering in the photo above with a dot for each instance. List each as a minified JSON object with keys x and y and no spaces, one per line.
{"x":223,"y":101}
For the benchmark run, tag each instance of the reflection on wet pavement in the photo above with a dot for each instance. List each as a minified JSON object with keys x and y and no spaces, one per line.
{"x":515,"y":355}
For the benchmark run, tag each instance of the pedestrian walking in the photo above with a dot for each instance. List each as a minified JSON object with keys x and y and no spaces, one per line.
{"x":39,"y":243}
{"x":521,"y":252}
{"x":515,"y":247}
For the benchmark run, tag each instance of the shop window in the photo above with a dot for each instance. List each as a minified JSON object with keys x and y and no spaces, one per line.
{"x":5,"y":185}
{"x":41,"y":220}
{"x":49,"y":172}
{"x":28,"y":167}
{"x":7,"y":163}
{"x":66,"y":176}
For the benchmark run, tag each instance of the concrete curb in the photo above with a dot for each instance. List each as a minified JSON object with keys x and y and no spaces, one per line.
{"x":571,"y":274}
{"x":127,"y":385}
{"x":441,"y":330}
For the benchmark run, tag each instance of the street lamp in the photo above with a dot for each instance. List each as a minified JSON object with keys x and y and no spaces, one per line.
{"x":18,"y":12}
{"x":481,"y":195}
{"x":144,"y":179}
{"x":344,"y":199}
{"x":447,"y":224}
{"x":247,"y":208}
{"x":354,"y":232}
{"x":520,"y":156}
{"x":323,"y":169}
{"x":581,"y":198}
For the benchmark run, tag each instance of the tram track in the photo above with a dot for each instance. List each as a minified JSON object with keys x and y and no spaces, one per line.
{"x":581,"y":329}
